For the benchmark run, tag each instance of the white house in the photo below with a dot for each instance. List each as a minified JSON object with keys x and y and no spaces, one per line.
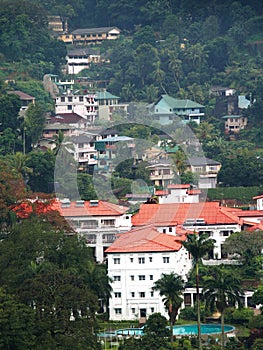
{"x":79,"y":59}
{"x":206,"y":169}
{"x":199,"y":217}
{"x":136,"y":260}
{"x":84,"y":105}
{"x":178,"y":193}
{"x":259,"y":200}
{"x":99,"y":222}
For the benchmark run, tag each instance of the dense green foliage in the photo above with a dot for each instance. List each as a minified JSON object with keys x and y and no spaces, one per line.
{"x":240,"y":194}
{"x":56,"y":287}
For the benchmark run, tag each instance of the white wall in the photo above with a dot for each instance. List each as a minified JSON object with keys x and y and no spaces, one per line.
{"x":129,"y":271}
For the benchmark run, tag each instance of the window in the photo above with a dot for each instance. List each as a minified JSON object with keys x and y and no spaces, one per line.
{"x":150,"y":259}
{"x":80,"y":98}
{"x":117,"y":295}
{"x":141,"y":260}
{"x":152,"y":294}
{"x":133,"y":310}
{"x":117,"y":261}
{"x":132,"y":294}
{"x":62,"y":99}
{"x":118,"y":311}
{"x":109,"y":222}
{"x":69,"y":99}
{"x":166,"y":259}
{"x":131,"y":260}
{"x":170,"y":229}
{"x":142,"y":294}
{"x":164,"y":230}
{"x":141,"y":277}
{"x":69,"y":107}
{"x":132,"y":277}
{"x":116,"y":278}
{"x":152,"y":310}
{"x":151,"y":277}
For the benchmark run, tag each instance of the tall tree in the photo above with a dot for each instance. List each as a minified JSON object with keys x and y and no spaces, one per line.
{"x":198,"y":246}
{"x":33,"y":124}
{"x":222,"y":290}
{"x":171,"y":288}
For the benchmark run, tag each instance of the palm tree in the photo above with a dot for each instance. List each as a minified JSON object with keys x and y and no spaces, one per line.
{"x":198,"y":246}
{"x":222,"y":290}
{"x":170,"y":287}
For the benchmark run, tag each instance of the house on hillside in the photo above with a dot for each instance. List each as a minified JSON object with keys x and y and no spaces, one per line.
{"x":110,"y":104}
{"x":111,"y":151}
{"x":228,"y":102}
{"x":25,"y":100}
{"x":168,"y":109}
{"x":57,"y":25}
{"x":178,"y":193}
{"x":162,"y":171}
{"x":206,"y":169}
{"x":84,"y":105}
{"x":99,"y":222}
{"x":234,"y":123}
{"x":79,"y":59}
{"x":135,"y":261}
{"x":90,"y":36}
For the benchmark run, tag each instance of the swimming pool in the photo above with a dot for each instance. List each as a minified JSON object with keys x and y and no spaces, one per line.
{"x":188,"y":329}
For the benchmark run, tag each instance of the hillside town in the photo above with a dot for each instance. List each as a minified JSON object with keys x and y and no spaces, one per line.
{"x":131,"y":194}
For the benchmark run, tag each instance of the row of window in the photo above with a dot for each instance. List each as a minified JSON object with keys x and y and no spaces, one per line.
{"x":141,"y":260}
{"x":141,"y":294}
{"x":118,"y":311}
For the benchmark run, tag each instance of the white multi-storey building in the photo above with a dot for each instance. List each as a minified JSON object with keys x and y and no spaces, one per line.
{"x":99,"y":222}
{"x":79,"y":59}
{"x":135,"y":261}
{"x":195,"y":217}
{"x":84,"y":105}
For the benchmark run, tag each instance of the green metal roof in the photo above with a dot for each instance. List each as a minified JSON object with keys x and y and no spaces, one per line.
{"x":175,"y":103}
{"x":103,"y":95}
{"x":231,"y":116}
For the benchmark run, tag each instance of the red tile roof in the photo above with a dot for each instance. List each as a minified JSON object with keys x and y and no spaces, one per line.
{"x":67,"y":118}
{"x":193,"y":192}
{"x":161,"y":192}
{"x":102,"y":209}
{"x":145,"y":239}
{"x":178,"y":186}
{"x":258,"y":197}
{"x":177,"y":213}
{"x":256,"y":227}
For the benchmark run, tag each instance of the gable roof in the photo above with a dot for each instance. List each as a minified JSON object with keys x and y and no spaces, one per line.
{"x":198,"y":161}
{"x":104,"y":95}
{"x":145,"y":239}
{"x":101,"y":209}
{"x":175,"y":103}
{"x":67,"y":118}
{"x":83,"y":52}
{"x":21,"y":94}
{"x":172,"y":214}
{"x":100,"y":30}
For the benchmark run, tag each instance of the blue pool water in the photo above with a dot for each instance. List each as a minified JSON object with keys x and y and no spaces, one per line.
{"x":188,"y":329}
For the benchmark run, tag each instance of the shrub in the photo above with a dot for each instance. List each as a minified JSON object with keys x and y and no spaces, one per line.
{"x":242,"y":316}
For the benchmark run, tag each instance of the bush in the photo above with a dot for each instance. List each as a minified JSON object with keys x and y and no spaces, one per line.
{"x":242,"y":316}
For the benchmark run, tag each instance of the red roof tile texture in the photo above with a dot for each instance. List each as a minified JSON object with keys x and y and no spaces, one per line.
{"x":145,"y":239}
{"x":101,"y":209}
{"x":177,"y":213}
